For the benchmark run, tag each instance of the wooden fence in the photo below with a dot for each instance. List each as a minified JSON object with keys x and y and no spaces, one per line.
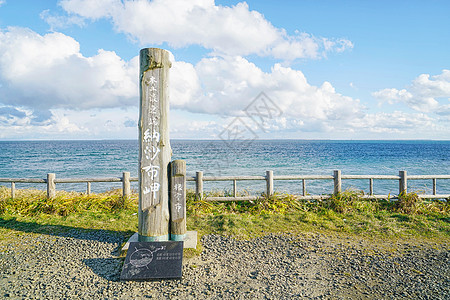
{"x":337,"y":178}
{"x":269,"y":178}
{"x":51,"y":182}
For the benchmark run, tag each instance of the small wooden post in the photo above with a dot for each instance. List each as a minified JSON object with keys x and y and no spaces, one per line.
{"x":235,"y":188}
{"x":434,"y":186}
{"x":269,"y":183}
{"x":337,"y":181}
{"x":199,"y":184}
{"x":88,"y":188}
{"x":51,"y":187}
{"x":154,"y":146}
{"x":403,"y":183}
{"x":178,"y":200}
{"x":371,"y":186}
{"x":303,"y":187}
{"x":126,"y":187}
{"x":13,"y":190}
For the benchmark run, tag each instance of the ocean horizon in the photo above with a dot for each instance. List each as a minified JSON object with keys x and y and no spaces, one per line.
{"x":109,"y":158}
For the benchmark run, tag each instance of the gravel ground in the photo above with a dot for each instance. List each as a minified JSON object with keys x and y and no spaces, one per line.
{"x":84,"y":265}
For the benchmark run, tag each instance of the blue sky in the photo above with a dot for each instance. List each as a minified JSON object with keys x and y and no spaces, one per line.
{"x":336,"y":69}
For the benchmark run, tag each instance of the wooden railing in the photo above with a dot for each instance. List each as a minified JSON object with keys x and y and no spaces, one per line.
{"x":269,"y":178}
{"x":337,"y":178}
{"x":51,"y":181}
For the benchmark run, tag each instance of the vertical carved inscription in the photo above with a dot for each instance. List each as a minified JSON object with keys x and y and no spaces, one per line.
{"x":151,"y":141}
{"x":177,"y":203}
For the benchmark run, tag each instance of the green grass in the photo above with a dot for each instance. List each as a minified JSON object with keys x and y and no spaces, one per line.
{"x":346,"y":213}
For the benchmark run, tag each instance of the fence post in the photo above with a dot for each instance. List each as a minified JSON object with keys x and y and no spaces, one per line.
{"x":371,"y":186}
{"x":199,"y":185}
{"x":337,"y":181}
{"x":303,"y":187}
{"x":154,"y":145}
{"x":235,"y":188}
{"x":403,"y":183}
{"x":126,"y":187}
{"x":269,"y":183}
{"x":13,"y":190}
{"x":51,"y":187}
{"x":178,"y":200}
{"x":88,"y":188}
{"x":434,"y":186}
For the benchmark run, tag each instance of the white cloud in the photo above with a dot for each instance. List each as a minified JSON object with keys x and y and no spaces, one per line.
{"x":229,"y":84}
{"x":395,"y":122}
{"x":20,"y":123}
{"x":57,"y":21}
{"x":224,"y":86}
{"x":444,"y":110}
{"x":230,"y":30}
{"x":393,"y":95}
{"x":184,"y":83}
{"x":108,"y":123}
{"x":92,"y":9}
{"x":423,"y":94}
{"x":48,"y":71}
{"x":436,"y":87}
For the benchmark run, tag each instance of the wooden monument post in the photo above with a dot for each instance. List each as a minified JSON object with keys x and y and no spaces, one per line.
{"x":178,"y":200}
{"x":154,"y":146}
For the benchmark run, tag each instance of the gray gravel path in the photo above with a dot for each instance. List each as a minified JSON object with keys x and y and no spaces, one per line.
{"x":83,"y":265}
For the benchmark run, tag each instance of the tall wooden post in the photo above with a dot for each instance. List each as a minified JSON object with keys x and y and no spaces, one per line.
{"x":154,"y":145}
{"x":178,"y":200}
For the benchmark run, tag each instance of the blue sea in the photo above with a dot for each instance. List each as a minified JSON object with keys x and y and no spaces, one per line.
{"x":109,"y":158}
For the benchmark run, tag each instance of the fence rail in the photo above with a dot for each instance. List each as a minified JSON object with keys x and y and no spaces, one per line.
{"x":269,"y":178}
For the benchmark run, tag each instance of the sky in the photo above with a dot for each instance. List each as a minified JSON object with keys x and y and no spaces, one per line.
{"x":69,"y":69}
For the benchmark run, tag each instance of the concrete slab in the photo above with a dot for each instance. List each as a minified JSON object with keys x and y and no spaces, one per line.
{"x":190,"y":240}
{"x":132,"y":239}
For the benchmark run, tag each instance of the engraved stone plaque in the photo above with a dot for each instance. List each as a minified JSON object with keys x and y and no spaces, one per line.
{"x":153,"y":260}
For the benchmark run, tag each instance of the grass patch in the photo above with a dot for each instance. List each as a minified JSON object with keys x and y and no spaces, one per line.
{"x":34,"y":202}
{"x":346,"y":213}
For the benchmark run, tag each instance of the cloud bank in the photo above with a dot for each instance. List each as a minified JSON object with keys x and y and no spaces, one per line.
{"x":44,"y":72}
{"x":230,"y":30}
{"x":51,"y":71}
{"x":425,"y":94}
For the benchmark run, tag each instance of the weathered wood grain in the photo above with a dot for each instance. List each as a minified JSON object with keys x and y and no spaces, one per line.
{"x":154,"y":145}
